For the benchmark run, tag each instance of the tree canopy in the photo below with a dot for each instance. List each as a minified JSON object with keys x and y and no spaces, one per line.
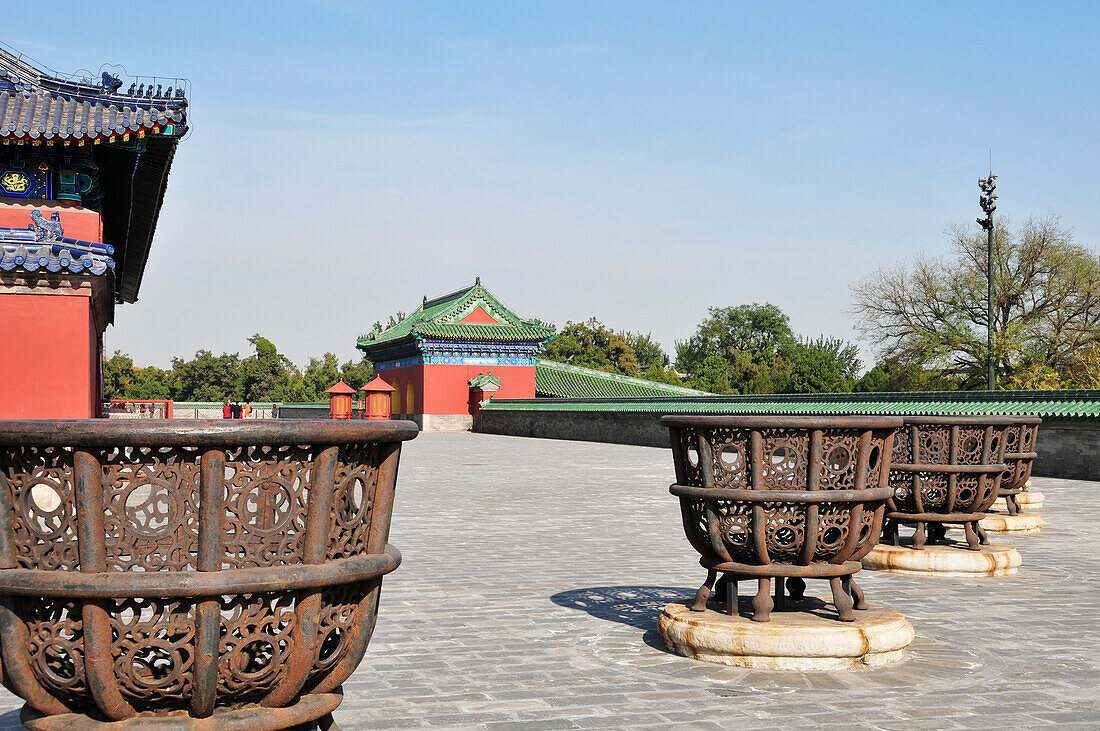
{"x":266,"y":375}
{"x":752,"y":349}
{"x":931,"y":313}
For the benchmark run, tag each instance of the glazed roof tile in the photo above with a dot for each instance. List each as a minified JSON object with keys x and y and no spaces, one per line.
{"x":563,"y":380}
{"x":36,"y":105}
{"x":441,"y":318}
{"x":1071,"y":404}
{"x":41,"y":107}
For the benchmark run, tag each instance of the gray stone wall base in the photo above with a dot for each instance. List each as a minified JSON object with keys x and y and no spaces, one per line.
{"x":640,"y":429}
{"x":1068,"y":448}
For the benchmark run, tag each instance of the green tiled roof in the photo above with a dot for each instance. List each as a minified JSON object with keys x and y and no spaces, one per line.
{"x":1077,"y":404}
{"x":568,"y":381}
{"x":439,"y":318}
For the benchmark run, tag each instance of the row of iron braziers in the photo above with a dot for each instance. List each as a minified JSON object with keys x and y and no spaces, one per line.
{"x":202,"y":575}
{"x":780,"y":500}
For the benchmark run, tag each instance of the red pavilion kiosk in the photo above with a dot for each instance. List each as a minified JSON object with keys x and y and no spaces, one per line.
{"x":83,"y":169}
{"x":450,"y":348}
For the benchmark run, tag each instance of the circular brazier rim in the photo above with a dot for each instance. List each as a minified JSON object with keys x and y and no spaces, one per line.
{"x":809,"y":423}
{"x":190,"y":584}
{"x":199,"y":432}
{"x":1027,"y":419}
{"x":963,"y":420}
{"x":767,"y":495}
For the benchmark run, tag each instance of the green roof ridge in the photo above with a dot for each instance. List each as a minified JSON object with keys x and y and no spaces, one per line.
{"x":1084,"y":403}
{"x":439,"y":317}
{"x":565,"y":380}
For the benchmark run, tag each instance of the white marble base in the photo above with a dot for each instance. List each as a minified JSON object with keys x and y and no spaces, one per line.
{"x":1019,"y":524}
{"x":1029,"y":500}
{"x":791,"y":640}
{"x":991,"y":560}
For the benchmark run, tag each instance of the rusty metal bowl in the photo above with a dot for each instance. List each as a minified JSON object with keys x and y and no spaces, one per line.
{"x":1020,"y":455}
{"x":787,"y":498}
{"x":946,"y":470}
{"x":188,"y":574}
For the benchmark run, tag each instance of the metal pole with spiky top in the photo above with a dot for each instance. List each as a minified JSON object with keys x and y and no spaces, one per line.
{"x":988,"y":202}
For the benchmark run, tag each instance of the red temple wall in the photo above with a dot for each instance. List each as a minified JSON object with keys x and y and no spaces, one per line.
{"x":78,"y":223}
{"x":49,"y":356}
{"x":445,"y":389}
{"x":50,"y":344}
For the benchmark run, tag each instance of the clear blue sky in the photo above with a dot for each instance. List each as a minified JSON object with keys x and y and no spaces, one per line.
{"x":634,"y":161}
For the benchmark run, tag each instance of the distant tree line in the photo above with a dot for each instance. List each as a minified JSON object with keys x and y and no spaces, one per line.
{"x":743,"y":349}
{"x":264,"y":376}
{"x":927,"y":318}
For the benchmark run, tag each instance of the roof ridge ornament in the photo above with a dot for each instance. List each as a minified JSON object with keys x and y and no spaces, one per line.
{"x":110,"y":83}
{"x":46,"y":230}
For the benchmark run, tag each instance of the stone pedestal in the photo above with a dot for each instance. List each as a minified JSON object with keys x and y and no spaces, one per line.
{"x":796,"y":640}
{"x":1029,"y":500}
{"x":1019,"y":524}
{"x":991,"y":560}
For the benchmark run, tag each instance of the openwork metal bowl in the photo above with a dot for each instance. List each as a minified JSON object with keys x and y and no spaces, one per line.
{"x":946,"y":469}
{"x":788,"y":498}
{"x":1020,"y":454}
{"x":184,"y":575}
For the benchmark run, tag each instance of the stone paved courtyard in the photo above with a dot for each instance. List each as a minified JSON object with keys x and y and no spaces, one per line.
{"x":534,"y":571}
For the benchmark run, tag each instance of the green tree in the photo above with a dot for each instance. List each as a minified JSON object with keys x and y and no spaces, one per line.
{"x":320,"y":375}
{"x":713,"y":375}
{"x":891,"y":375}
{"x":151,"y":383}
{"x":824,"y":365}
{"x":748,"y":340}
{"x":647,"y":351}
{"x":932,"y":312}
{"x":207,"y":377}
{"x":590,"y":344}
{"x":752,"y":349}
{"x":663,"y":374}
{"x":357,"y":374}
{"x":118,"y":373}
{"x":264,"y":375}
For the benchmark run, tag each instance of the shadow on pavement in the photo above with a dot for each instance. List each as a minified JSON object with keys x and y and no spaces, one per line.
{"x":637,"y":606}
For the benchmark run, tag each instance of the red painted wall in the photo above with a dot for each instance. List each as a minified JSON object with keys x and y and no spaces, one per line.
{"x":445,"y":389}
{"x":78,"y":223}
{"x":49,"y":356}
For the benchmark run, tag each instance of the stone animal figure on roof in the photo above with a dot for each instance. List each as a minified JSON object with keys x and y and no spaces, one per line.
{"x":46,"y":230}
{"x":111,"y":83}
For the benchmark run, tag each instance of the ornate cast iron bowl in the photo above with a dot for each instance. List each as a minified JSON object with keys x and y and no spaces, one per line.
{"x":788,"y":498}
{"x":946,"y":469}
{"x":190,"y":574}
{"x":1020,"y":455}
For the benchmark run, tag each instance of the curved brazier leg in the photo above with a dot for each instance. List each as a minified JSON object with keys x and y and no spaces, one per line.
{"x":703,"y":594}
{"x":780,"y":594}
{"x":762,"y":604}
{"x":1012,"y":504}
{"x":973,"y":542}
{"x":920,"y":536}
{"x":891,"y":533}
{"x":841,"y":600}
{"x":857,"y":594}
{"x":982,"y":537}
{"x":731,"y":596}
{"x":796,"y":588}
